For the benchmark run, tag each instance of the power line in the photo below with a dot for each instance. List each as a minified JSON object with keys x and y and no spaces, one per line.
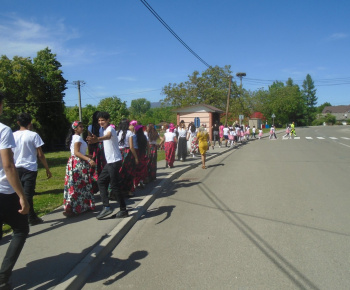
{"x":144,"y":2}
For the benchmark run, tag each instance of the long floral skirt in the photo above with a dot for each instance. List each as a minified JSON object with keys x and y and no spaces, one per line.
{"x":194,"y":145}
{"x":127,"y":170}
{"x":170,"y":148}
{"x":78,"y":194}
{"x":141,"y":170}
{"x":152,"y":162}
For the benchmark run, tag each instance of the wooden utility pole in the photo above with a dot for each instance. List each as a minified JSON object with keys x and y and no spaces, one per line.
{"x":228,"y":99}
{"x":78,"y":84}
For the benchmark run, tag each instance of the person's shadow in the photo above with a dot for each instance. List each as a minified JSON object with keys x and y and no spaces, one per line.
{"x":159,"y":211}
{"x":120,"y":267}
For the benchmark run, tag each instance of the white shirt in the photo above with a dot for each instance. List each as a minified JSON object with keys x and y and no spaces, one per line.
{"x":83,"y":146}
{"x":6,"y":141}
{"x":169,"y":137}
{"x":111,"y":147}
{"x":182,"y":132}
{"x":25,"y":152}
{"x":126,"y":140}
{"x":226,"y":131}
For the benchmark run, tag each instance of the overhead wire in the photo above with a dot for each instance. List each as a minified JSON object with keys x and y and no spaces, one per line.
{"x":144,"y":2}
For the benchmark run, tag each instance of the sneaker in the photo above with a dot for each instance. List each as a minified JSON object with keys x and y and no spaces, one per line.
{"x":36,"y":221}
{"x":122,"y":214}
{"x":105,"y":212}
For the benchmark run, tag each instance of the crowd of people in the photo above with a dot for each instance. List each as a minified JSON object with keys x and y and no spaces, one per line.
{"x":112,"y":161}
{"x":118,"y":161}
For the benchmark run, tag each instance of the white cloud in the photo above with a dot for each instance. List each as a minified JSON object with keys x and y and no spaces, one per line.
{"x":337,"y":36}
{"x":25,"y":37}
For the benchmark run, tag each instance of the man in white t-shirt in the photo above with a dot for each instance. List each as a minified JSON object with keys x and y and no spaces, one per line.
{"x":13,"y":203}
{"x":26,"y":152}
{"x":110,"y":173}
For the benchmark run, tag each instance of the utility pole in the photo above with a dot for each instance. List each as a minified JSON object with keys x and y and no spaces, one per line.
{"x":228,"y":99}
{"x":240,"y":75}
{"x":78,"y":84}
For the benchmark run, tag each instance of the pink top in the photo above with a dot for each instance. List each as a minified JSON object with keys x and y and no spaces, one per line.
{"x":221,"y":131}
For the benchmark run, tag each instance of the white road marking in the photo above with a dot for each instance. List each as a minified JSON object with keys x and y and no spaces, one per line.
{"x":346,"y":138}
{"x":333,"y":138}
{"x":309,"y":138}
{"x":320,"y":138}
{"x":344,"y":144}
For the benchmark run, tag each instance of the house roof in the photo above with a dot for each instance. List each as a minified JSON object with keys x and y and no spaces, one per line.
{"x":336,"y":109}
{"x":257,"y":115}
{"x":199,"y":107}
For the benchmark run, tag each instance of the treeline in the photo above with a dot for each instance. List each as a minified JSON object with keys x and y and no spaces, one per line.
{"x":37,"y":86}
{"x":287,"y":101}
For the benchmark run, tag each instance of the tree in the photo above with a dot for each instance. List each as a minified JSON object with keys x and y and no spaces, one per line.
{"x":321,"y":107}
{"x":72,"y":113}
{"x":309,"y":94}
{"x":158,"y":115}
{"x":18,"y":81}
{"x":115,"y":107}
{"x":49,"y":95}
{"x":286,"y":102}
{"x":36,"y":87}
{"x":211,"y":88}
{"x":139,"y":107}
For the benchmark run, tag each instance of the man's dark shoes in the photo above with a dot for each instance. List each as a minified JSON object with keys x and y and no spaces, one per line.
{"x":106,"y":211}
{"x":35,"y":221}
{"x":122,"y":214}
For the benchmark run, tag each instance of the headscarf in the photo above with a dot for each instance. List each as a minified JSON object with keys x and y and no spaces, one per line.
{"x":75,"y":124}
{"x":137,"y":127}
{"x":133,"y":123}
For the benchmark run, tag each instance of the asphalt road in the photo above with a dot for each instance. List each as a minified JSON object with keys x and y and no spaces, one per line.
{"x":273,"y":214}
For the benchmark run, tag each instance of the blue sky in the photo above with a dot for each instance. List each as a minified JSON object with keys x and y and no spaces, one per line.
{"x":120,"y":49}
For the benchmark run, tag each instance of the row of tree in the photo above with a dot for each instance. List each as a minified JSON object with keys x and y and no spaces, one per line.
{"x":287,"y":101}
{"x":37,"y":86}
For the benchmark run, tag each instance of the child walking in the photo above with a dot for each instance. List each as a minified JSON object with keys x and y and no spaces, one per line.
{"x":260,"y":133}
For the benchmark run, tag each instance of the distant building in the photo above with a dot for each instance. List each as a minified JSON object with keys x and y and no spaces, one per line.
{"x":257,"y":119}
{"x":201,"y":114}
{"x":341,"y":113}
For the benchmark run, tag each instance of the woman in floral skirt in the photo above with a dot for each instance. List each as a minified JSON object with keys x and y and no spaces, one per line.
{"x":78,"y":191}
{"x":192,"y":136}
